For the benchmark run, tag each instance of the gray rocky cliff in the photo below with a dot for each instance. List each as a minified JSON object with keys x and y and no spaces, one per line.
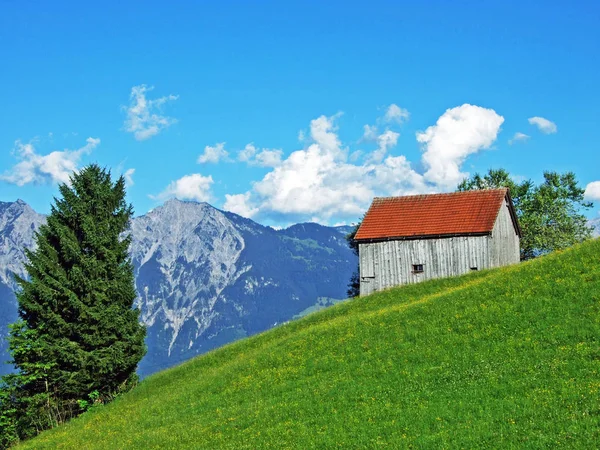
{"x":18,"y":223}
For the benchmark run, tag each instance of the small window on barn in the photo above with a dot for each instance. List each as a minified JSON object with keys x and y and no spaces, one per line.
{"x":417,"y":268}
{"x":474,"y":268}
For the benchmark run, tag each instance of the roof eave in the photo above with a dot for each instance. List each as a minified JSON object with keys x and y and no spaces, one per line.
{"x":417,"y":237}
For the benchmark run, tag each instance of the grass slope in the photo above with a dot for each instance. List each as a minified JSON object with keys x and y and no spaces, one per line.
{"x":502,"y":358}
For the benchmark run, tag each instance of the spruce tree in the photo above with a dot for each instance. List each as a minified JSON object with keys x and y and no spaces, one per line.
{"x":78,"y":335}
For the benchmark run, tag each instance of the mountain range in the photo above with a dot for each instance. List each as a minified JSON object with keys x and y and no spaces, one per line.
{"x":204,"y":277}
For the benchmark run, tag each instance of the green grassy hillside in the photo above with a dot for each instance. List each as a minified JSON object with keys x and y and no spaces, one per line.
{"x":503,"y":358}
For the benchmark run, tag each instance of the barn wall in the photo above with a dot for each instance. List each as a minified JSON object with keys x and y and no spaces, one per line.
{"x":504,"y":248}
{"x":387,"y":264}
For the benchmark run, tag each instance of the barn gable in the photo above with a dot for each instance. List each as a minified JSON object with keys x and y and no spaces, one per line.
{"x":410,"y":239}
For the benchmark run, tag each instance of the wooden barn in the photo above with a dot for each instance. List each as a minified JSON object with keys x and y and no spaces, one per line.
{"x":414,"y":238}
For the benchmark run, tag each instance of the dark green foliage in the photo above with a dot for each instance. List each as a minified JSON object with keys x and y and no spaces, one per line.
{"x":77,"y":332}
{"x":549,"y":214}
{"x":354,"y":284}
{"x":8,"y":412}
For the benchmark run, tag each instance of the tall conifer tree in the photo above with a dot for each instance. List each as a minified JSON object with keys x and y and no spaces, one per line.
{"x":77,"y":332}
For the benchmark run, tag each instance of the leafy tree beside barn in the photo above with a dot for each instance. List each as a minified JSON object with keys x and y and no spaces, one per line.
{"x":78,"y":339}
{"x":549,"y":213}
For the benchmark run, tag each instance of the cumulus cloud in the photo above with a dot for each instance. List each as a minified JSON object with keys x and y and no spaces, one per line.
{"x":55,"y":167}
{"x":319,"y":182}
{"x":264,"y":157}
{"x":592,"y":191}
{"x":213,"y":154}
{"x":545,"y":126}
{"x":518,"y":137}
{"x":239,"y":204}
{"x":269,"y":158}
{"x":189,"y":187}
{"x":325,"y":182}
{"x":395,"y":114}
{"x":144,"y":117}
{"x":323,"y":133}
{"x":247,"y":153}
{"x":370,"y":132}
{"x":385,"y":142}
{"x":458,"y":133}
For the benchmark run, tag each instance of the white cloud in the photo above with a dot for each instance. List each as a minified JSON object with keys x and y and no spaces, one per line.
{"x":393,"y":115}
{"x":213,"y":154}
{"x":545,"y":126}
{"x":458,"y":133}
{"x":318,"y":183}
{"x":355,"y":155}
{"x":592,"y":191}
{"x":385,"y":141}
{"x":325,"y":182}
{"x":264,"y":157}
{"x":323,"y":133}
{"x":269,"y":158}
{"x":247,"y":153}
{"x":238,"y":204}
{"x":143,"y":115}
{"x":55,"y":167}
{"x":518,"y":137}
{"x":189,"y":187}
{"x":311,"y":182}
{"x":396,"y":114}
{"x":128,"y":175}
{"x":370,"y":133}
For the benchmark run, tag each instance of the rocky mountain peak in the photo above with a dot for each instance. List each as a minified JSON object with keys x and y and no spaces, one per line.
{"x":192,"y":248}
{"x":18,"y":223}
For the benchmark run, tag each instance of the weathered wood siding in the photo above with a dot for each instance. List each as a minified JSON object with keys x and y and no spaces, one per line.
{"x":505,"y":246}
{"x":390,"y":263}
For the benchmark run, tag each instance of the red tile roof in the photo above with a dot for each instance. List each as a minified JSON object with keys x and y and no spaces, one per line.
{"x":414,"y":216}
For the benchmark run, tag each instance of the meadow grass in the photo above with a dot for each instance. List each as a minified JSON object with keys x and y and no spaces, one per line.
{"x":507,"y":358}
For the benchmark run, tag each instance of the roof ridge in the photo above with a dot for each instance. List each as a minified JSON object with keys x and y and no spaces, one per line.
{"x":440,"y":194}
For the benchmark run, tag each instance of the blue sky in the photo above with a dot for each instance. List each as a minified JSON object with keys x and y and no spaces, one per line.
{"x":295,"y":111}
